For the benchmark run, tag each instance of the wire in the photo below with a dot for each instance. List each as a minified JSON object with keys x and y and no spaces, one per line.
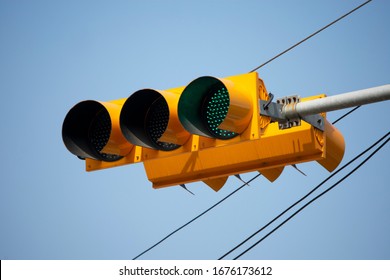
{"x":346,"y":114}
{"x":197,"y":217}
{"x":186,"y":224}
{"x":204,"y":212}
{"x":308,"y":37}
{"x":243,"y":185}
{"x":315,"y":198}
{"x":305,"y":196}
{"x":333,"y":174}
{"x":309,"y":193}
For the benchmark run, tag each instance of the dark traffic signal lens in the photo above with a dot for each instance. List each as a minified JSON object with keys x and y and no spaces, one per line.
{"x":86,"y":131}
{"x":144,"y":119}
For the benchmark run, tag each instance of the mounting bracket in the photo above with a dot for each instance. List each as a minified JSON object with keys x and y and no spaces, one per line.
{"x":276,"y":111}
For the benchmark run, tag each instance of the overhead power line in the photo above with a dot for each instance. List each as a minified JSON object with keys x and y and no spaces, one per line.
{"x":314,"y":199}
{"x":213,"y":206}
{"x":308,"y":37}
{"x":309,"y":193}
{"x":197,"y":217}
{"x":235,"y":191}
{"x":346,"y":114}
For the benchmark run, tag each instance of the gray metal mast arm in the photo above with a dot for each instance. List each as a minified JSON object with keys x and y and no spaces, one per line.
{"x":337,"y":102}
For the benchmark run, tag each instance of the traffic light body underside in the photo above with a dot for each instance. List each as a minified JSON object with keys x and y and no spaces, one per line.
{"x":261,"y":147}
{"x":204,"y":161}
{"x":268,"y":153}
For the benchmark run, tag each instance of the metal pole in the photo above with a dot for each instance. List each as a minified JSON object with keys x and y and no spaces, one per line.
{"x":337,"y":102}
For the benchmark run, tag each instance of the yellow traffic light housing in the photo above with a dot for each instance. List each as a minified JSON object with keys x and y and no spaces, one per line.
{"x":216,"y":108}
{"x":149,"y":118}
{"x":91,"y":130}
{"x":206,"y":131}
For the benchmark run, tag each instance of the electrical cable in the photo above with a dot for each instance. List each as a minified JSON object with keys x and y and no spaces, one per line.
{"x":309,"y":193}
{"x":346,"y":114}
{"x":197,"y":217}
{"x":280,"y":54}
{"x":349,"y":112}
{"x":186,"y":224}
{"x":314,"y":199}
{"x":308,"y":37}
{"x":243,"y":185}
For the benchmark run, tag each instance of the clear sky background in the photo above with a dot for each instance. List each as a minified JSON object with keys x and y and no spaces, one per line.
{"x":54,"y":54}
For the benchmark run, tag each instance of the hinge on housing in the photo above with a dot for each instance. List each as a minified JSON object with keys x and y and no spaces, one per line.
{"x":275,"y":110}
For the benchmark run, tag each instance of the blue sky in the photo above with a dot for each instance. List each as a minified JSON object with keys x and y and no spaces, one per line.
{"x":55,"y":54}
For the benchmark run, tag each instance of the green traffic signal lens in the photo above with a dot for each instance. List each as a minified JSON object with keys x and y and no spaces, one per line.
{"x":214,"y":111}
{"x":203,"y":108}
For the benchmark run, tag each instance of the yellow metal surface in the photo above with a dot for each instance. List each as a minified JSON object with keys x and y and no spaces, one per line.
{"x":241,"y":90}
{"x":272,"y":173}
{"x":268,"y":154}
{"x":217,"y":183}
{"x":175,"y":132}
{"x":334,"y":148}
{"x":117,"y":143}
{"x":134,"y":156}
{"x":272,"y":150}
{"x":261,"y":146}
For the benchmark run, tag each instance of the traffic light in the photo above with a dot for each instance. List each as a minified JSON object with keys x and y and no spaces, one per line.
{"x":205,"y":131}
{"x":216,"y":108}
{"x":91,"y":130}
{"x":149,"y":119}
